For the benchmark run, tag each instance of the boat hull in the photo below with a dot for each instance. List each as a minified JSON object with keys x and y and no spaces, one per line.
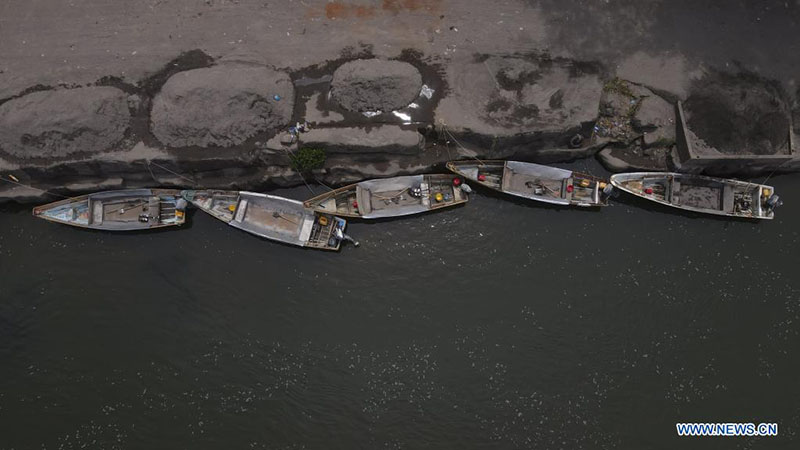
{"x":272,"y":217}
{"x":122,"y":210}
{"x":697,"y":193}
{"x":535,"y":182}
{"x":391,"y":197}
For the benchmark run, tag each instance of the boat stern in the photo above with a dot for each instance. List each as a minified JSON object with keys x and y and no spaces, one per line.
{"x":768,"y":201}
{"x":325,"y":232}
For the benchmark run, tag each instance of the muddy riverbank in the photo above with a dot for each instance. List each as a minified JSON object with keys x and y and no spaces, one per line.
{"x":437,"y":83}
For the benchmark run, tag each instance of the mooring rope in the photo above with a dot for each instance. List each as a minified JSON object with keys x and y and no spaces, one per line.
{"x":447,"y":131}
{"x":8,"y":180}
{"x":773,"y":171}
{"x":152,"y":175}
{"x":323,"y":184}
{"x":170,"y":171}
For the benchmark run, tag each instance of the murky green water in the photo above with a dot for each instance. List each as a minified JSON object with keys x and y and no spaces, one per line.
{"x":502,"y":324}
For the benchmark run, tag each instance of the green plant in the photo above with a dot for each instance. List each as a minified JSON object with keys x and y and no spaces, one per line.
{"x":618,"y":86}
{"x":307,"y":159}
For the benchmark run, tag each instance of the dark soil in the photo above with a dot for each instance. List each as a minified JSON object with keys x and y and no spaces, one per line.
{"x":740,"y":113}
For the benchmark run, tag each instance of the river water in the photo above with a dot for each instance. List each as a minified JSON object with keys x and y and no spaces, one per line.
{"x":500,"y":324}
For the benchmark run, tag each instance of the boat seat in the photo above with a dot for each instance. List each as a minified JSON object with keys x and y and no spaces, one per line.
{"x":676,"y":192}
{"x":364,"y":199}
{"x":505,"y":180}
{"x":89,"y":204}
{"x":154,"y":206}
{"x":564,"y":193}
{"x":241,"y":210}
{"x":306,"y":228}
{"x":727,"y":198}
{"x":97,"y":213}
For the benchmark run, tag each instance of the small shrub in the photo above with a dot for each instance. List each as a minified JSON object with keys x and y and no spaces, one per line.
{"x":307,"y":159}
{"x":618,"y":86}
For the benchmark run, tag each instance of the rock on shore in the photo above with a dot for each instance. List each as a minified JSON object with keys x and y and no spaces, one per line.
{"x":375,"y":85}
{"x":505,"y":95}
{"x":221,"y":106}
{"x":60,"y":123}
{"x":638,"y":125}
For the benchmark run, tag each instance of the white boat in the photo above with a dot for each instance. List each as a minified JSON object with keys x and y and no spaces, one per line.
{"x":535,"y":181}
{"x":122,"y":210}
{"x":272,"y":217}
{"x":703,"y":194}
{"x":391,"y":197}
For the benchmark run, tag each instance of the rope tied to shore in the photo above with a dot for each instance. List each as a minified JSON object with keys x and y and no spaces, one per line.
{"x":12,"y":179}
{"x":442,"y":126}
{"x":170,"y":171}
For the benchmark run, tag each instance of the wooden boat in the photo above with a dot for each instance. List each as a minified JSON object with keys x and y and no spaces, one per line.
{"x":123,"y":210}
{"x":701,"y":194}
{"x":268,"y":216}
{"x":535,"y":181}
{"x":391,"y":197}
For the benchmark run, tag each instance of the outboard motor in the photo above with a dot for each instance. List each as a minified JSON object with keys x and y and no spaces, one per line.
{"x":465,"y":187}
{"x":774,"y":201}
{"x":181,"y":204}
{"x":608,"y":191}
{"x":343,"y":236}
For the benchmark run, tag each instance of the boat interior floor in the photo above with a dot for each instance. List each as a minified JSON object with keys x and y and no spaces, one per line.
{"x":391,"y":199}
{"x":277,"y":221}
{"x":531,"y":184}
{"x":345,"y":201}
{"x":700,"y":194}
{"x":706,"y":197}
{"x":127,"y":210}
{"x":222,"y":206}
